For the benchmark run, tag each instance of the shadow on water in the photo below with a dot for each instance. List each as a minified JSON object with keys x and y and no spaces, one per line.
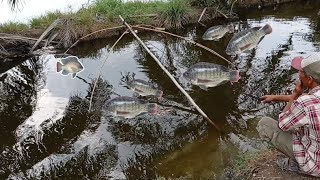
{"x":47,"y":132}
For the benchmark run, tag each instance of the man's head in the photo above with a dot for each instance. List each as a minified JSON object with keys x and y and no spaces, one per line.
{"x":309,"y":69}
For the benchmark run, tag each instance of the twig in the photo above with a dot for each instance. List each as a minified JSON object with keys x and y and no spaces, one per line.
{"x":191,"y":41}
{"x":170,"y":76}
{"x":101,"y":30}
{"x":222,"y":14}
{"x":232,"y":7}
{"x":95,"y":83}
{"x":204,"y":10}
{"x":44,"y":34}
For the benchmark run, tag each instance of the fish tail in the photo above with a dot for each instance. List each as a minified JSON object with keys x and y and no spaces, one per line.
{"x":159,"y":94}
{"x":152,"y":108}
{"x":267,"y":29}
{"x":231,"y":28}
{"x":59,"y":66}
{"x":234,"y":76}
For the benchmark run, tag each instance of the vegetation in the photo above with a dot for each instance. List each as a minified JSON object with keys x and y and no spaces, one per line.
{"x":13,"y":27}
{"x":175,"y":13}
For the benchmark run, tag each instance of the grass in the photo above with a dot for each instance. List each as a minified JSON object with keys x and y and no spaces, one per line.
{"x":13,"y":27}
{"x":104,"y":13}
{"x":175,"y":13}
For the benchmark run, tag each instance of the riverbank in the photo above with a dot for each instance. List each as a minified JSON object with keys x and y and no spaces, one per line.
{"x":174,"y":14}
{"x":262,"y":165}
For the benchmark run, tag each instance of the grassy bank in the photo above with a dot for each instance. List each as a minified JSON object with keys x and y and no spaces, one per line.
{"x":104,"y":13}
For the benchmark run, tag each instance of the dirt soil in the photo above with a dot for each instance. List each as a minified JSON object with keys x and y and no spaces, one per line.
{"x":265,"y":167}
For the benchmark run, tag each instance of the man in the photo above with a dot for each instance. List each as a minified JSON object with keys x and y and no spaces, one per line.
{"x":297,"y":133}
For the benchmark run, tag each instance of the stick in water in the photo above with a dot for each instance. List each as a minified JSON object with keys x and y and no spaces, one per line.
{"x":170,"y":76}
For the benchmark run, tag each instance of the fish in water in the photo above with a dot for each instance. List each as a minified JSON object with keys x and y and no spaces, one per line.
{"x":69,"y":65}
{"x":247,"y":39}
{"x":129,"y":107}
{"x":217,"y":32}
{"x":206,"y":75}
{"x":144,"y":88}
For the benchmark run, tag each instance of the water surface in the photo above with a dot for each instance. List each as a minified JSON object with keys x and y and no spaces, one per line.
{"x":46,"y":130}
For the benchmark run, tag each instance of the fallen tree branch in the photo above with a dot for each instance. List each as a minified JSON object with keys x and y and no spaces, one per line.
{"x":95,"y":83}
{"x":191,"y":41}
{"x":44,"y":34}
{"x":170,"y":76}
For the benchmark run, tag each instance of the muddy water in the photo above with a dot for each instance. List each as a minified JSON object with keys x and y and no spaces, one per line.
{"x":46,"y":131}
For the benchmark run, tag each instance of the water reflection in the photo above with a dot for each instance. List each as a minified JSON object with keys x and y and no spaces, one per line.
{"x":45,"y":119}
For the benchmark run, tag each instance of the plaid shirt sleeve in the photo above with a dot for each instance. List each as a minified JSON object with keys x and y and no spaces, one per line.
{"x":294,"y":118}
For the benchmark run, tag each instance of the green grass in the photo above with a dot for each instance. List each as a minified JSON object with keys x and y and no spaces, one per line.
{"x":12,"y":27}
{"x":45,"y":20}
{"x":105,"y":13}
{"x":175,"y":13}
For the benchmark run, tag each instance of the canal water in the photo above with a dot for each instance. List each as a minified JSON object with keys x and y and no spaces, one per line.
{"x":46,"y":131}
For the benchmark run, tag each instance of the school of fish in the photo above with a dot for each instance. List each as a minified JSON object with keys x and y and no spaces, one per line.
{"x":202,"y":74}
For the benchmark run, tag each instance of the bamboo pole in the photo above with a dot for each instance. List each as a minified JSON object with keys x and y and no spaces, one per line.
{"x":95,"y":83}
{"x":191,"y":41}
{"x":170,"y":76}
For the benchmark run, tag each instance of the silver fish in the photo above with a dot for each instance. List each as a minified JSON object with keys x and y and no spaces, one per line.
{"x":217,"y":32}
{"x":129,"y":107}
{"x":144,"y":88}
{"x":69,"y":65}
{"x":206,"y":75}
{"x":247,"y":39}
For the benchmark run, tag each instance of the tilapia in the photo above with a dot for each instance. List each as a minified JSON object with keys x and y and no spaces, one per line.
{"x":129,"y":107}
{"x":144,"y":88}
{"x":217,"y":32}
{"x":69,"y":65}
{"x":247,"y":39}
{"x":206,"y":75}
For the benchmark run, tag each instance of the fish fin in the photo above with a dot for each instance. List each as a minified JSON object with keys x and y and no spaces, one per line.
{"x":203,"y":87}
{"x":139,"y":91}
{"x":245,"y":47}
{"x":64,"y":72}
{"x":203,"y":81}
{"x":216,"y":39}
{"x":152,"y":108}
{"x":122,"y":113}
{"x":74,"y":75}
{"x":59,"y":66}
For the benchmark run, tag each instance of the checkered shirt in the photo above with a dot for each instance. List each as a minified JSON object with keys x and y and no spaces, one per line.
{"x":303,"y":120}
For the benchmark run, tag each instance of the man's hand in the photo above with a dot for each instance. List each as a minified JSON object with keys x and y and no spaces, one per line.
{"x":267,"y":98}
{"x":298,"y":90}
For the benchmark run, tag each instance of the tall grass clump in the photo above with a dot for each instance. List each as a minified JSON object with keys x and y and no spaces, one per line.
{"x":109,"y":8}
{"x":13,"y":27}
{"x":175,"y":14}
{"x":45,"y":20}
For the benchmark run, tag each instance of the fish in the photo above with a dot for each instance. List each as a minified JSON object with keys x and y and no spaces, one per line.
{"x":129,"y":107}
{"x":217,"y":32}
{"x":206,"y":75}
{"x":144,"y":88}
{"x":70,"y":65}
{"x":247,"y":39}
